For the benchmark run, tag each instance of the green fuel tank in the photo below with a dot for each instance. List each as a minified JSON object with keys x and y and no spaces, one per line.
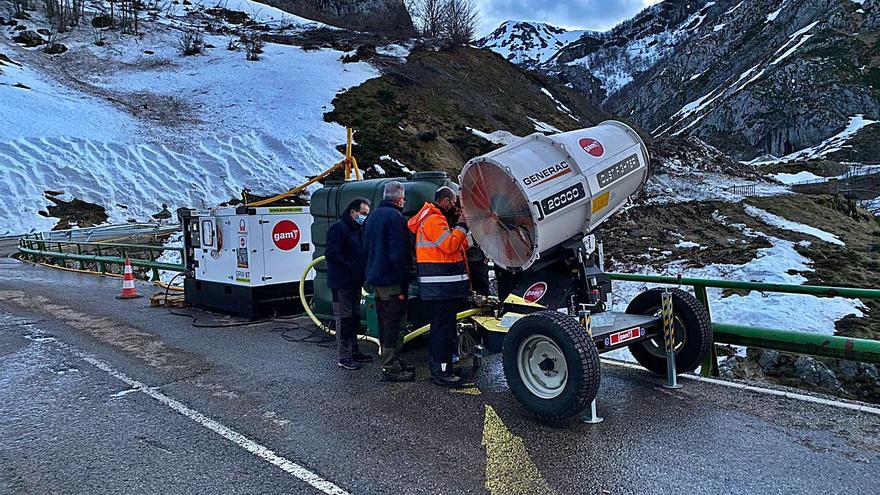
{"x":329,"y":202}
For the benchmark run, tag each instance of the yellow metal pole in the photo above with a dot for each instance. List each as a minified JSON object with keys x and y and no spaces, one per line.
{"x":348,"y":135}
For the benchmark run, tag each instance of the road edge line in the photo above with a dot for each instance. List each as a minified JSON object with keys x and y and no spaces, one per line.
{"x":298,"y":471}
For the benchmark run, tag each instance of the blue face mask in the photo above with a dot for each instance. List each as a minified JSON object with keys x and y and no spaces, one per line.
{"x":360,"y":219}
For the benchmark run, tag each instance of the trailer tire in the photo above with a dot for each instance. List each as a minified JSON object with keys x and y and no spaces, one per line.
{"x":566,"y":350}
{"x":693,"y":332}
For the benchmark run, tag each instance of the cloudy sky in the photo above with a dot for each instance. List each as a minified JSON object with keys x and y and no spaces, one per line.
{"x":571,"y":14}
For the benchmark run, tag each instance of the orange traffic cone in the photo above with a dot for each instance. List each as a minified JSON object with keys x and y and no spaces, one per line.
{"x":128,"y":290}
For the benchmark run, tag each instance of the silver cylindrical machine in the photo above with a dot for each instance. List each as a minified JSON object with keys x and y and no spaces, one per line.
{"x":530,"y":196}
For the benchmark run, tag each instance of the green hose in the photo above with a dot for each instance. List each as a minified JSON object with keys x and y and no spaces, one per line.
{"x":308,"y":308}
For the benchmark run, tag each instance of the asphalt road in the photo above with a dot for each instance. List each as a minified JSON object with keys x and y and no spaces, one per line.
{"x":99,"y":395}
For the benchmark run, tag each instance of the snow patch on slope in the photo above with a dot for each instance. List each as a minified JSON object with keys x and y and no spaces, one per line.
{"x":802,"y":176}
{"x":497,"y":137}
{"x":559,"y":105}
{"x":780,"y":263}
{"x":830,"y":145}
{"x":256,"y":125}
{"x":777,"y":221}
{"x":544,"y":127}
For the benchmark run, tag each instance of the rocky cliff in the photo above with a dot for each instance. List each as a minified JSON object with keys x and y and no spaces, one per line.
{"x":750,"y":77}
{"x":378,"y":16}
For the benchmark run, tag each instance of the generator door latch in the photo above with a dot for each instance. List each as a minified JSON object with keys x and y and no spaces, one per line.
{"x":267,"y":278}
{"x":263,"y":221}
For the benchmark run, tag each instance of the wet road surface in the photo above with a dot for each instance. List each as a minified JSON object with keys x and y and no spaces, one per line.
{"x":105,"y":396}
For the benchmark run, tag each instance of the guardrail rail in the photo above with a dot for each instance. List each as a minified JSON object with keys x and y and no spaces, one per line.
{"x":99,"y":254}
{"x":831,"y":346}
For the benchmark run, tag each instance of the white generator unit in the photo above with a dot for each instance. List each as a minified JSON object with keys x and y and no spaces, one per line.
{"x":530,"y":196}
{"x":245,"y":260}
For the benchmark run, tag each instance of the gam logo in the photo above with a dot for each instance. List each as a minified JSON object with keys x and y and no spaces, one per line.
{"x":535,"y":292}
{"x":285,"y":235}
{"x":592,"y":147}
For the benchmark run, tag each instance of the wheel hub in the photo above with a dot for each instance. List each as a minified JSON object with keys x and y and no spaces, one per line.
{"x":542,"y":366}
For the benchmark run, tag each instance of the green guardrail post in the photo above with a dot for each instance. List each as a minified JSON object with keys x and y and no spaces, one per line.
{"x":101,"y":265}
{"x":154,"y":269}
{"x":710,"y":364}
{"x":82,"y":264}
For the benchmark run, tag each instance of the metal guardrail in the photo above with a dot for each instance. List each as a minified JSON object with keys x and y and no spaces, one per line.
{"x":831,"y":346}
{"x":101,"y":256}
{"x":86,"y":233}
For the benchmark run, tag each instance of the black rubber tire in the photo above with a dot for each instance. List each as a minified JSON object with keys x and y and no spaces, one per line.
{"x":697,"y":327}
{"x":581,"y":357}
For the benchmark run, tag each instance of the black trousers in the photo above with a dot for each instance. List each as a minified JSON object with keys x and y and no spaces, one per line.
{"x":443,"y":335}
{"x":347,"y":312}
{"x":391,"y":312}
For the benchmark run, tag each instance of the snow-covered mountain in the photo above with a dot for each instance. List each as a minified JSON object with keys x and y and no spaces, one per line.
{"x":751,"y":77}
{"x":529,"y":43}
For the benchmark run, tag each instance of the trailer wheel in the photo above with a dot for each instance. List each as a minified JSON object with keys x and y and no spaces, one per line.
{"x":693,"y":332}
{"x":551,"y":365}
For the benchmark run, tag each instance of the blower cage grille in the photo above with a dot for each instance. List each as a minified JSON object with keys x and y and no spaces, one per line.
{"x":498,"y":215}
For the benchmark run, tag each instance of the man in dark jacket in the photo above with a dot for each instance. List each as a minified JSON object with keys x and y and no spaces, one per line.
{"x":388,"y":260}
{"x":345,"y":277}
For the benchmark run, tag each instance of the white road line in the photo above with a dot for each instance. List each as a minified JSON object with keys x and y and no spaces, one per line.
{"x":233,"y":436}
{"x":760,"y":390}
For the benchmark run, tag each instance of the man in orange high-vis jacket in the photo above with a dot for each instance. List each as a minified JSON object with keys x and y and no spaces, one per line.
{"x":443,"y":278}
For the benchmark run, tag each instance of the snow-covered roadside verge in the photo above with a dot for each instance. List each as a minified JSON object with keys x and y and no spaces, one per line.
{"x":779,"y":263}
{"x":256,"y":125}
{"x":165,"y":276}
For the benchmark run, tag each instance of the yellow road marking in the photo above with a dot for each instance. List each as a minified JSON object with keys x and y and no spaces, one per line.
{"x":509,"y":467}
{"x":466,"y":390}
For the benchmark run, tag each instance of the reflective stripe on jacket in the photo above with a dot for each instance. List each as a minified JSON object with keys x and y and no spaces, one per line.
{"x":440,"y":255}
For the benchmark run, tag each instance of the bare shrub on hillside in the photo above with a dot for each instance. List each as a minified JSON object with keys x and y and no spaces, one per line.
{"x":98,"y":37}
{"x":129,"y":12}
{"x":253,"y":44}
{"x":430,"y":16}
{"x":191,"y":41}
{"x":64,"y":15}
{"x":19,"y":8}
{"x":461,"y":22}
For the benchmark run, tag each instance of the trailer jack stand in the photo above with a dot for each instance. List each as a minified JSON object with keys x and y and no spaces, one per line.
{"x":586,"y":320}
{"x":592,"y":417}
{"x":669,"y":341}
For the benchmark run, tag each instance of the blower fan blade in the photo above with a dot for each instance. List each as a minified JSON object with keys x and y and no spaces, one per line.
{"x":498,"y":214}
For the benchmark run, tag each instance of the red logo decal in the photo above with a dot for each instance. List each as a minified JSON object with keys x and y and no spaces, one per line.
{"x":285,"y":235}
{"x":535,"y":292}
{"x":592,"y":147}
